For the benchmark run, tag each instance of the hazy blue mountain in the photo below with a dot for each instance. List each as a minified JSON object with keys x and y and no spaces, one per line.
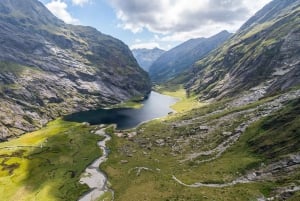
{"x":183,"y":56}
{"x":146,"y":57}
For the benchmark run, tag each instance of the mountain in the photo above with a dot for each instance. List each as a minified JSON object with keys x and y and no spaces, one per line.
{"x":182,"y":57}
{"x":49,"y":68}
{"x":146,"y":57}
{"x":262,"y":57}
{"x":242,"y":141}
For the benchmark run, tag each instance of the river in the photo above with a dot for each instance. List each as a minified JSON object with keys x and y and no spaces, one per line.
{"x":155,"y":106}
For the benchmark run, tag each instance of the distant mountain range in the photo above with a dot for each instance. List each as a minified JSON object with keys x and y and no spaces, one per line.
{"x":146,"y":57}
{"x":182,"y":57}
{"x":243,"y":143}
{"x":49,"y":68}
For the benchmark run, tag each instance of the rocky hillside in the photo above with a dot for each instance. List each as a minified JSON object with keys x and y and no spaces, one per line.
{"x":146,"y":57}
{"x":263,"y":56}
{"x":49,"y":68}
{"x":183,"y":56}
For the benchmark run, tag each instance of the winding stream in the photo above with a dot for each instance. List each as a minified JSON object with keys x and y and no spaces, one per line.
{"x":157,"y":105}
{"x":93,"y":177}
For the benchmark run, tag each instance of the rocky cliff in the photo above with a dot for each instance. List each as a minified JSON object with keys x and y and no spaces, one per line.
{"x":263,"y":56}
{"x":181,"y":58}
{"x":49,"y":68}
{"x":146,"y":57}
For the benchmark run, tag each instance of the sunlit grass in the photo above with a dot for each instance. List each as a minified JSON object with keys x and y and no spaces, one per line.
{"x":129,"y":104}
{"x":237,"y":161}
{"x":185,"y":103}
{"x":46,"y":164}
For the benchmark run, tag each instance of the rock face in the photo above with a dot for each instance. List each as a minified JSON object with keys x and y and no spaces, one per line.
{"x":263,"y":54}
{"x":182,"y":57}
{"x":49,"y":68}
{"x":146,"y":57}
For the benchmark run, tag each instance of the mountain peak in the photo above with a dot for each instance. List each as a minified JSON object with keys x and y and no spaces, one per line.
{"x":182,"y":57}
{"x":268,"y":12}
{"x":30,"y":11}
{"x":145,"y":57}
{"x":47,"y":65}
{"x":224,"y":32}
{"x":264,"y":52}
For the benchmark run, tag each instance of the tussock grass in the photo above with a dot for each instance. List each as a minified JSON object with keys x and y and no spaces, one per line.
{"x":48,"y":162}
{"x":245,"y":155}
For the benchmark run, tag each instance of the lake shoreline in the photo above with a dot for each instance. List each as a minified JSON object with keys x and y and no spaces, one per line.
{"x":156,"y":106}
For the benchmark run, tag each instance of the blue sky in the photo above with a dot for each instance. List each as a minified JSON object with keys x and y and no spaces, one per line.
{"x":156,"y":23}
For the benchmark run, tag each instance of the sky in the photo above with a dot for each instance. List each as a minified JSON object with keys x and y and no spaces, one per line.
{"x":156,"y":23}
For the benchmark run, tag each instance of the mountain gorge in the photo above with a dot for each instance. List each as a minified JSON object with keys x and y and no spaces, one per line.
{"x":238,"y":138}
{"x":263,"y":54}
{"x":229,"y":111}
{"x":181,"y":58}
{"x":49,"y":68}
{"x":146,"y":57}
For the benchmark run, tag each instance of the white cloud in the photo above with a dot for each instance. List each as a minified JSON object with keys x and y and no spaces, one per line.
{"x":147,"y":45}
{"x":179,"y":20}
{"x":137,"y":40}
{"x":80,"y":2}
{"x":59,"y":9}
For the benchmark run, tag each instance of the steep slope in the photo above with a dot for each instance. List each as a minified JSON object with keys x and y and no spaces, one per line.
{"x":146,"y":57}
{"x":182,"y":57}
{"x":49,"y":68}
{"x":244,"y":143}
{"x":262,"y":55}
{"x":216,"y":152}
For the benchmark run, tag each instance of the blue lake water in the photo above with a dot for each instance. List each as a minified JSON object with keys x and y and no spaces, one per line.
{"x":157,"y":105}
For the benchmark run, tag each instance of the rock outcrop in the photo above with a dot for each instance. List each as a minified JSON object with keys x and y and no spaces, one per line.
{"x":49,"y":68}
{"x":264,"y":52}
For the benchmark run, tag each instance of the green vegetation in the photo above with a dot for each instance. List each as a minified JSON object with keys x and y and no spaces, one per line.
{"x":129,"y":104}
{"x":279,"y":134}
{"x":186,"y":101}
{"x":263,"y":43}
{"x":270,"y":138}
{"x":135,"y":102}
{"x":47,"y":164}
{"x":106,"y":197}
{"x":15,"y":68}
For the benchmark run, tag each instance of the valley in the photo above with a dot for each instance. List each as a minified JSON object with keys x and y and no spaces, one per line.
{"x":211,"y":153}
{"x":84,"y":117}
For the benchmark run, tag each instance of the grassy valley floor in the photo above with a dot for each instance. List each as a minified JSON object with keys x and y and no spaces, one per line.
{"x":215,"y":152}
{"x":47,"y":164}
{"x":185,"y":102}
{"x":218,"y":151}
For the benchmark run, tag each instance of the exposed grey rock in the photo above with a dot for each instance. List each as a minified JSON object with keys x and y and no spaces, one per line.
{"x":226,"y":133}
{"x":262,"y":55}
{"x":49,"y":68}
{"x":204,"y":128}
{"x":160,"y":142}
{"x":124,"y":161}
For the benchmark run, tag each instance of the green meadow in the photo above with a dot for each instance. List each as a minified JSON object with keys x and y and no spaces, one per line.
{"x":47,"y":164}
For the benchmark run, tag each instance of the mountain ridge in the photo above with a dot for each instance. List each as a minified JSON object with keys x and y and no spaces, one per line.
{"x":181,"y":58}
{"x":49,"y":68}
{"x":260,"y":54}
{"x":145,"y":57}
